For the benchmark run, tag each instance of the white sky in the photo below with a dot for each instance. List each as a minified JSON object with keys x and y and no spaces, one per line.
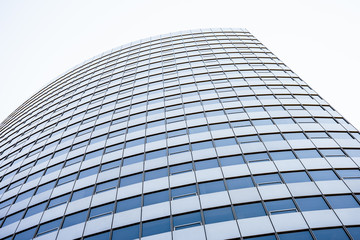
{"x":318,"y":39}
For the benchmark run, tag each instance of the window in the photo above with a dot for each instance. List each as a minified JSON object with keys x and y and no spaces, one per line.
{"x":45,"y":187}
{"x":100,"y":236}
{"x":323,"y":175}
{"x":156,"y":227}
{"x":88,"y":172}
{"x":182,"y":192}
{"x":101,"y":211}
{"x":35,"y":209}
{"x":187,"y":220}
{"x":342,"y":201}
{"x":294,"y":136}
{"x":205,"y":164}
{"x":13,"y":218}
{"x":66,"y":179}
{"x":210,"y":187}
{"x":349,"y":173}
{"x":27,"y":234}
{"x":280,"y":206}
{"x":181,"y":168}
{"x":110,"y":165}
{"x":155,"y":154}
{"x":317,"y":135}
{"x":73,"y":161}
{"x":257,"y":157}
{"x":158,"y":173}
{"x":82,"y":193}
{"x":133,"y":159}
{"x":126,"y":233}
{"x":233,"y":160}
{"x":303,"y":235}
{"x":132,"y":179}
{"x":218,"y":215}
{"x":283,"y":155}
{"x":178,"y":149}
{"x":355,"y":232}
{"x":267,"y":179}
{"x":94,"y":154}
{"x":249,"y":210}
{"x":127,"y":204}
{"x":294,"y":177}
{"x":114,"y":148}
{"x":271,"y":137}
{"x":134,"y":143}
{"x":157,"y":197}
{"x":237,"y":183}
{"x":75,"y":219}
{"x":307,"y":154}
{"x":311,"y":203}
{"x":49,"y":227}
{"x":225,"y":142}
{"x":105,"y":186}
{"x":59,"y":200}
{"x":332,"y":153}
{"x":330,"y":234}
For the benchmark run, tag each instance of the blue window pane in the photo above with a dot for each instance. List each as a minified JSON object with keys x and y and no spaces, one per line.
{"x":257,"y":157}
{"x":66,"y":179}
{"x":13,"y":218}
{"x":267,"y":179}
{"x":342,"y":201}
{"x":134,"y":143}
{"x":157,"y":197}
{"x":114,"y":148}
{"x":156,"y":227}
{"x":219,"y":126}
{"x":198,"y":129}
{"x":25,"y":235}
{"x":280,"y":121}
{"x":248,"y":139}
{"x":349,"y":173}
{"x":158,"y":173}
{"x":178,"y":149}
{"x":271,"y":137}
{"x":218,"y":215}
{"x":280,"y":206}
{"x":353,"y":152}
{"x":323,"y":175}
{"x":35,"y":176}
{"x":88,"y":172}
{"x":187,"y":220}
{"x":307,"y":154}
{"x":249,"y":210}
{"x":24,"y":195}
{"x":294,"y":136}
{"x":110,"y":165}
{"x":176,"y":133}
{"x":237,"y":183}
{"x":127,"y":204}
{"x":293,"y":177}
{"x":233,"y":160}
{"x":156,"y":154}
{"x":311,"y":203}
{"x":49,"y":227}
{"x":74,"y":160}
{"x":101,"y":210}
{"x":125,"y":181}
{"x":303,"y":235}
{"x":156,"y":137}
{"x":205,"y":164}
{"x":101,"y":236}
{"x":284,"y":155}
{"x":133,"y":159}
{"x":330,"y":234}
{"x":98,"y":139}
{"x":59,"y":200}
{"x":185,"y":191}
{"x":35,"y":209}
{"x":54,"y":168}
{"x":210,"y":187}
{"x":126,"y":233}
{"x":201,"y":145}
{"x":268,"y":237}
{"x":185,"y":167}
{"x":225,"y":142}
{"x":75,"y":219}
{"x":94,"y":154}
{"x":46,"y":187}
{"x":85,"y":192}
{"x":354,"y":232}
{"x":106,"y":186}
{"x":332,"y":153}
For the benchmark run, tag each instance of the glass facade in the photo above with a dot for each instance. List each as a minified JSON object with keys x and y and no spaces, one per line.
{"x":201,"y":134}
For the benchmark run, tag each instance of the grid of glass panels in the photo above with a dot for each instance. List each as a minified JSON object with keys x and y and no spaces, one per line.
{"x":188,"y":133}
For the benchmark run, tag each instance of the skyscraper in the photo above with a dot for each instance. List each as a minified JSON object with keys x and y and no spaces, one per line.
{"x":201,"y":134}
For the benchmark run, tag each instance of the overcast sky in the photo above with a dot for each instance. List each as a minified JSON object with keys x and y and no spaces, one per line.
{"x":318,"y":39}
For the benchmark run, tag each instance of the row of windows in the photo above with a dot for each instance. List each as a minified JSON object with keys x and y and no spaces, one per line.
{"x":208,"y":216}
{"x":137,"y":96}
